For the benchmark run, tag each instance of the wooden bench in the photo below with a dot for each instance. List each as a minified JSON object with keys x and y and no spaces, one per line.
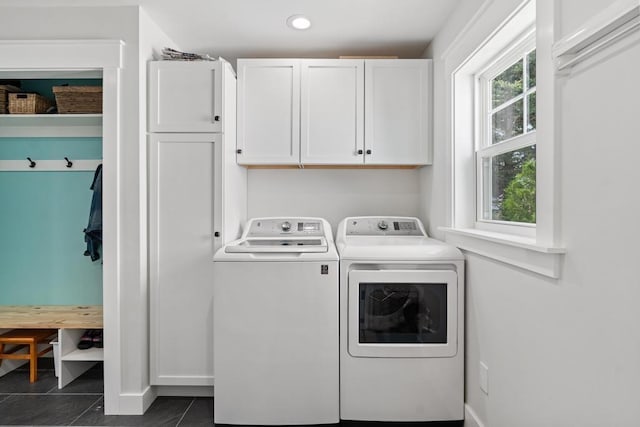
{"x":32,"y":325}
{"x":18,"y":339}
{"x":51,"y":316}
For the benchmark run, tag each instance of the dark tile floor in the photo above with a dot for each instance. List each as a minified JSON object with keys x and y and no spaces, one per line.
{"x":81,"y":403}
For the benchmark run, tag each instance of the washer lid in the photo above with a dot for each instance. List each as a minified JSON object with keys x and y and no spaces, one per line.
{"x":283,"y":235}
{"x":278,"y":245}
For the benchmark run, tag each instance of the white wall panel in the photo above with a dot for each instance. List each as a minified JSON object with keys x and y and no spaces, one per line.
{"x":574,"y":13}
{"x":333,"y":193}
{"x":559,"y":352}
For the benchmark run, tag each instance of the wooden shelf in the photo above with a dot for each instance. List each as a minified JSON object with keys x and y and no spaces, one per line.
{"x":330,"y":166}
{"x":89,"y":355}
{"x":24,"y":125}
{"x":51,"y":74}
{"x":51,"y":119}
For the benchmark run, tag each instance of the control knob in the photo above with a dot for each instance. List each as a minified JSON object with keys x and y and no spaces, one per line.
{"x":382,"y":225}
{"x":286,"y":226}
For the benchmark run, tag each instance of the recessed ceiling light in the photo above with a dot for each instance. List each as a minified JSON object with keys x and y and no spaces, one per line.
{"x":298,"y":22}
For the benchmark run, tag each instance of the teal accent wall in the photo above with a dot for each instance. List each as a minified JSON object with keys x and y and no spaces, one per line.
{"x":42,"y":218}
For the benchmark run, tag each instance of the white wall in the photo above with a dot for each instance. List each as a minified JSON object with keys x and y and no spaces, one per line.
{"x":333,"y":194}
{"x":435,"y":181}
{"x":126,"y":354}
{"x":560,"y":352}
{"x":151,"y":41}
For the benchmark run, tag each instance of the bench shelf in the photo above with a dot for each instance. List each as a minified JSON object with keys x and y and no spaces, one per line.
{"x":71,"y":322}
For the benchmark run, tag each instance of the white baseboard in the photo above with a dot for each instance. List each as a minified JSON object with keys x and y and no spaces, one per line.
{"x":138,"y":403}
{"x":185,"y":391}
{"x":148,"y":397}
{"x":470,"y":418}
{"x":135,"y":403}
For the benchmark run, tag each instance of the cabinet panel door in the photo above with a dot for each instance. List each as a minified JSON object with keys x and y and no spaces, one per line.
{"x":182,"y":215}
{"x":268,"y":111}
{"x":397,"y":111}
{"x":185,"y":96}
{"x":331,"y":111}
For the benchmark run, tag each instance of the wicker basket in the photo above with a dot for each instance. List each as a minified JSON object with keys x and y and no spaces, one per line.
{"x":78,"y":99}
{"x":5,"y":90}
{"x":28,"y":103}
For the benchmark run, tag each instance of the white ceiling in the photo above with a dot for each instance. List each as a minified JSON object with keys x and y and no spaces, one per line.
{"x":257,"y":28}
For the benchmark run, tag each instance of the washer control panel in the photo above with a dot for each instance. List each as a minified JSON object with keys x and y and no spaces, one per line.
{"x":285,"y":226}
{"x":370,"y":226}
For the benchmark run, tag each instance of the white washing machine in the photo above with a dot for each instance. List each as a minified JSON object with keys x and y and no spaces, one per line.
{"x":275,"y":312}
{"x":401,"y":322}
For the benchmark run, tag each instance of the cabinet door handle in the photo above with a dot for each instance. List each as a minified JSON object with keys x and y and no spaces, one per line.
{"x":359,"y":151}
{"x":216,"y":234}
{"x":368,"y":151}
{"x":239,"y":151}
{"x":216,"y":118}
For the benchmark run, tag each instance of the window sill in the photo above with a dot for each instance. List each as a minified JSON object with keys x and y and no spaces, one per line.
{"x":522,"y":252}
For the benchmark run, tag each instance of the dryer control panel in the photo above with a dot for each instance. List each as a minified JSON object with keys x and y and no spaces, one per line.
{"x":384,"y":226}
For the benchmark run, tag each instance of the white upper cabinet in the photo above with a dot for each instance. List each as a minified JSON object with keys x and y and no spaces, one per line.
{"x":334,"y":111}
{"x":185,"y":96}
{"x":268,"y":111}
{"x":397,"y":113}
{"x":331,"y":111}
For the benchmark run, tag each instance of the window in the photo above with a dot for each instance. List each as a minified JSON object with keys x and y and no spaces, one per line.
{"x":504,"y":202}
{"x":506,"y":142}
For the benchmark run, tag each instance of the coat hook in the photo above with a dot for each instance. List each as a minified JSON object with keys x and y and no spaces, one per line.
{"x":69,"y":162}
{"x":32,"y":164}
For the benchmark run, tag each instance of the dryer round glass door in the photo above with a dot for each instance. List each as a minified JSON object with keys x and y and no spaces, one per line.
{"x":402,"y":313}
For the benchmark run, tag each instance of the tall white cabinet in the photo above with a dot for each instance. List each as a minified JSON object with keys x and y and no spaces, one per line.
{"x":197,"y":202}
{"x":334,"y":111}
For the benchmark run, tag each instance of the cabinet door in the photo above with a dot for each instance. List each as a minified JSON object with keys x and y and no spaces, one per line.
{"x":185,"y":96}
{"x":332,"y":111}
{"x":397,"y":111}
{"x":268,"y":111}
{"x":183,"y":213}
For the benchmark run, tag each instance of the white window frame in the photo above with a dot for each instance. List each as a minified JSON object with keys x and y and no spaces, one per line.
{"x":463,"y":60}
{"x":484,"y":148}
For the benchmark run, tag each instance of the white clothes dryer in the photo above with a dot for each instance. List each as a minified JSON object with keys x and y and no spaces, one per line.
{"x":401,"y":322}
{"x":275,"y":312}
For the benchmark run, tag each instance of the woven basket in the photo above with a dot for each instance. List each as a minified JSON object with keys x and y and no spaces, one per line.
{"x":28,"y":103}
{"x":78,"y":99}
{"x":5,"y":90}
